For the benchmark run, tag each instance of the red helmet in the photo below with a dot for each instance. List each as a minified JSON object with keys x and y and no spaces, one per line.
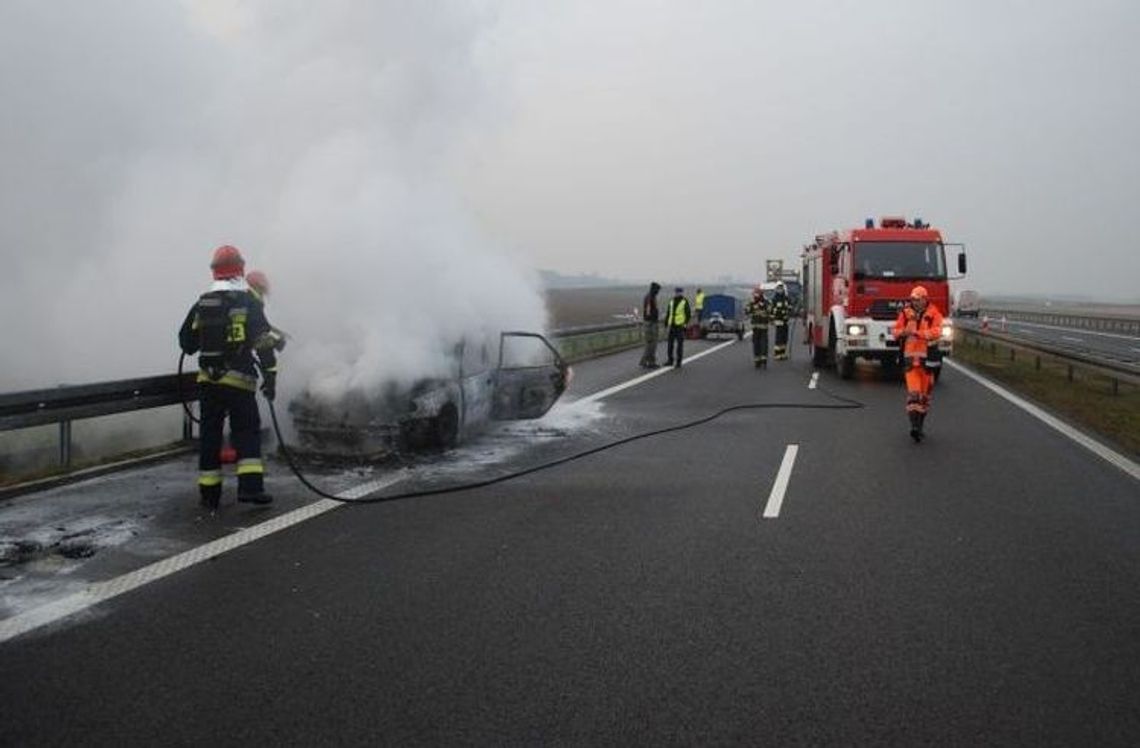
{"x":258,"y":282}
{"x":227,"y":263}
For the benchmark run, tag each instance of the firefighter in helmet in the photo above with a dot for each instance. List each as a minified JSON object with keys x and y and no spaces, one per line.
{"x":759,"y":315}
{"x":919,"y":324}
{"x":259,"y":288}
{"x":781,"y":308}
{"x":228,"y":330}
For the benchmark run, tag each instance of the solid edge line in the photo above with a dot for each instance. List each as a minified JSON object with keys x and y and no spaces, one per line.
{"x":101,"y":591}
{"x":783,"y":477}
{"x":1105,"y":453}
{"x":646,"y":377}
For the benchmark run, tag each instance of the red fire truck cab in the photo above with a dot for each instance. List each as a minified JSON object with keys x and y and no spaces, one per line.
{"x":856,"y":281}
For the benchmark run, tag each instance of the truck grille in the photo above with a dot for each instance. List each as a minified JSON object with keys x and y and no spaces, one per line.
{"x":885,"y":309}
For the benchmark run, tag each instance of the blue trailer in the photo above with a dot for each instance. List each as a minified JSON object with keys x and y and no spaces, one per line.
{"x":723,"y":315}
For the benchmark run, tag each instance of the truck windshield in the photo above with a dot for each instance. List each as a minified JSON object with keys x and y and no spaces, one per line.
{"x":910,"y":260}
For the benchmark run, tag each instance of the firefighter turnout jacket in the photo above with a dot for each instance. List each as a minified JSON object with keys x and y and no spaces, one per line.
{"x":227,"y":327}
{"x":758,"y":313}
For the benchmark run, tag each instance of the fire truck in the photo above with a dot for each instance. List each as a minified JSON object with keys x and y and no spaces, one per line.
{"x":856,"y":281}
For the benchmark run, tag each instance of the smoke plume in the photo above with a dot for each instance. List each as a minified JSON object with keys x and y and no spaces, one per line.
{"x":318,"y":139}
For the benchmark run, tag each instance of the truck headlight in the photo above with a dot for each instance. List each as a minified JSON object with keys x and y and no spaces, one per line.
{"x":856,"y":331}
{"x":947,"y":331}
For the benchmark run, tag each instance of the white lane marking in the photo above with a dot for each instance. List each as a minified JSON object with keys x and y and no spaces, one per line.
{"x":776,"y":496}
{"x":814,"y":380}
{"x":1100,"y":450}
{"x":1072,"y":339}
{"x":103,"y":591}
{"x":646,"y":377}
{"x":1075,"y":329}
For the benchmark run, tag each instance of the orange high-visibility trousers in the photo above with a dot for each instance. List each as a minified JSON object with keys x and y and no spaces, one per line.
{"x":919,"y":383}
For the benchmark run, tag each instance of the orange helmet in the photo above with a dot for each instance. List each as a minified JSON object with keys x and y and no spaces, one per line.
{"x":918,"y":292}
{"x":227,"y":263}
{"x":258,"y":282}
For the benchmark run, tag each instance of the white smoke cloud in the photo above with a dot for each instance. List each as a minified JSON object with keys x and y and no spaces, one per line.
{"x":318,"y":139}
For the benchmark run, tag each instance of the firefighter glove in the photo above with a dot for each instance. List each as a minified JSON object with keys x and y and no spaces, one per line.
{"x":269,"y":386}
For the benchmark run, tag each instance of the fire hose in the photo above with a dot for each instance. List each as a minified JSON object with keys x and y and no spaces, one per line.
{"x":842,"y":403}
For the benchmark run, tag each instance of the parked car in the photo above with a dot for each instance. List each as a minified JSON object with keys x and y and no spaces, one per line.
{"x":524,"y":382}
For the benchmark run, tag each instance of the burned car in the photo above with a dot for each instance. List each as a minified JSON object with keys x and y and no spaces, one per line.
{"x":524,"y":382}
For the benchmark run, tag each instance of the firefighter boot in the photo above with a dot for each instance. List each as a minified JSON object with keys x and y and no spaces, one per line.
{"x":915,"y":426}
{"x":210,"y":497}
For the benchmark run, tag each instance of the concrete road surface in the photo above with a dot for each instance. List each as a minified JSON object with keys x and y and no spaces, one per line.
{"x":778,"y":575}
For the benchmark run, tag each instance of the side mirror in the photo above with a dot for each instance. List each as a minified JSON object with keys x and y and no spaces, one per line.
{"x":962,"y":263}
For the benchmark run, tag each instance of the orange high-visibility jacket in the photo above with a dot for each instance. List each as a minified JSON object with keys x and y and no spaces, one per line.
{"x":926,"y":329}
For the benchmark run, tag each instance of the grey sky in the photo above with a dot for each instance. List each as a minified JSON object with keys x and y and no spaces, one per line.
{"x":694,"y":138}
{"x":401,"y":163}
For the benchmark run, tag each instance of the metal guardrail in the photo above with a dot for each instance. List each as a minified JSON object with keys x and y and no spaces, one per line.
{"x":1117,"y":325}
{"x":67,"y":403}
{"x":64,"y":404}
{"x":1113,"y":370}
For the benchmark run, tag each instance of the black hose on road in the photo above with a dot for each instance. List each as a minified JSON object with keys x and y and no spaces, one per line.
{"x":843,"y":404}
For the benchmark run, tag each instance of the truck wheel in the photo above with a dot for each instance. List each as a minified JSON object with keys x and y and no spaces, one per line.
{"x":845,"y":366}
{"x":446,"y":427}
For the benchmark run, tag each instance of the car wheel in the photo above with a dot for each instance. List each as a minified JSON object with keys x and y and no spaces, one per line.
{"x":446,"y":427}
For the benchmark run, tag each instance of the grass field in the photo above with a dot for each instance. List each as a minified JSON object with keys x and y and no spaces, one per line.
{"x":1090,"y":400}
{"x":574,"y":307}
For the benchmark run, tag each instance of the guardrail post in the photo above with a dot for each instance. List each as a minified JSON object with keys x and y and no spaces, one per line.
{"x":65,"y":443}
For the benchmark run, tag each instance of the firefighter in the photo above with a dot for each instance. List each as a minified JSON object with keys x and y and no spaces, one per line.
{"x":677,"y":314}
{"x":650,"y":316}
{"x":758,"y":313}
{"x":918,"y":325}
{"x":699,"y":304}
{"x":259,"y":288}
{"x":227,"y":328}
{"x":779,"y":310}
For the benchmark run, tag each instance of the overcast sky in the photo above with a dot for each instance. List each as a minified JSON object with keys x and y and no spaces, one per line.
{"x":396,"y":157}
{"x":683,"y":138}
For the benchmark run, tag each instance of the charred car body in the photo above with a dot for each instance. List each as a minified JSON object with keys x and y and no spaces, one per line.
{"x":524,"y":382}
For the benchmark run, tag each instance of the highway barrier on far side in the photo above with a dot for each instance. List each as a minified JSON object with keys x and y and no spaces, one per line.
{"x":1115,"y":325}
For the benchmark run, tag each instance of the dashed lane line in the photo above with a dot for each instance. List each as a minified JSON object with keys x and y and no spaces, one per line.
{"x":780,"y":487}
{"x":814,"y":380}
{"x":1105,"y":453}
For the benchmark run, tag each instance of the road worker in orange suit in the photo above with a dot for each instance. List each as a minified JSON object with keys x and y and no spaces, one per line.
{"x":918,"y":325}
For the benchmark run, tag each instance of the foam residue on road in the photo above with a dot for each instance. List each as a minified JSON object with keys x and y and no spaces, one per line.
{"x":506,"y":441}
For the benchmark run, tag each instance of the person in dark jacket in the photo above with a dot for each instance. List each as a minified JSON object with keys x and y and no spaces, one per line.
{"x":758,"y":314}
{"x":228,"y":330}
{"x":781,"y":310}
{"x":677,"y":315}
{"x":650,"y":319}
